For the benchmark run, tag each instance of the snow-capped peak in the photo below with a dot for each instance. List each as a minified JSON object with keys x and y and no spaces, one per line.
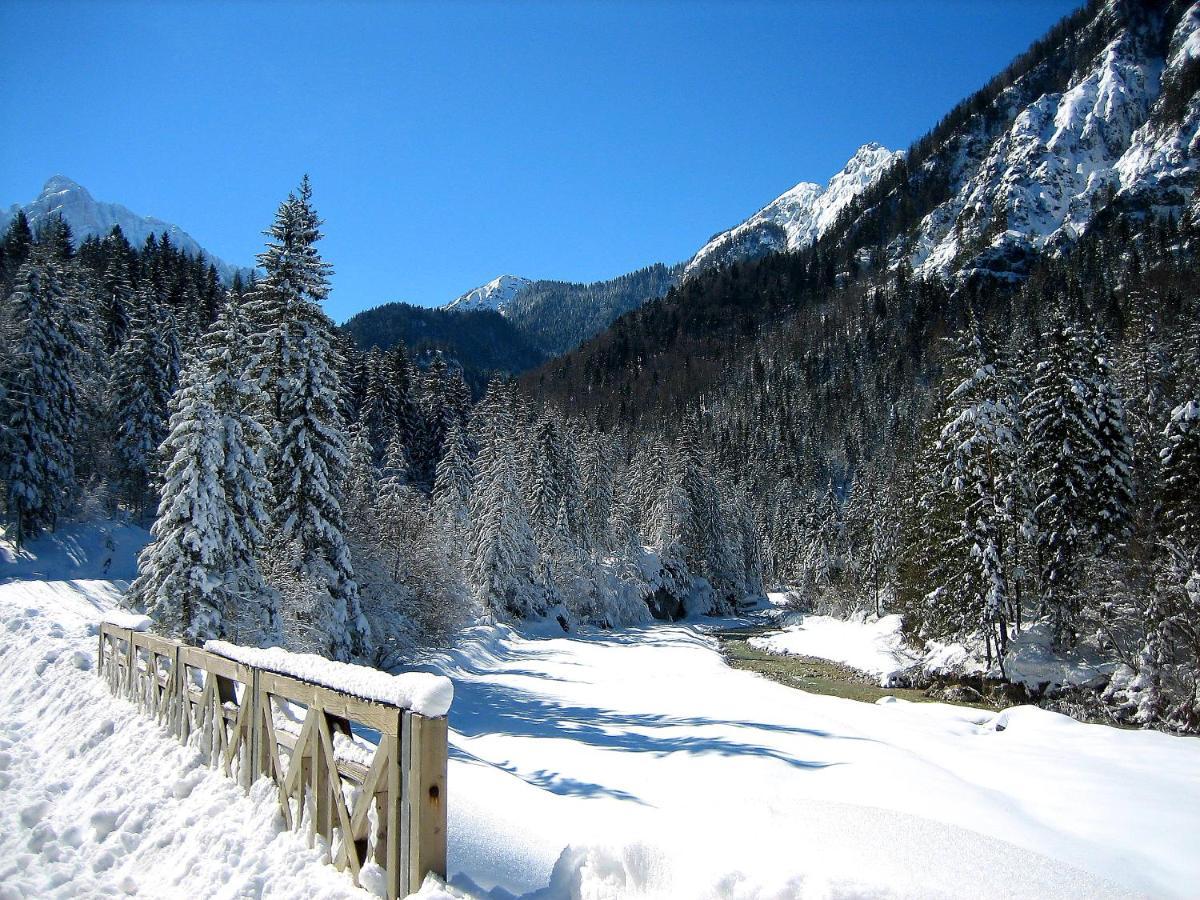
{"x":798,"y":217}
{"x":61,"y":184}
{"x":497,"y":294}
{"x":89,"y":217}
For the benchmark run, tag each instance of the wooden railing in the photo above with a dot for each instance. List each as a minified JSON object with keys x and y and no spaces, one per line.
{"x":251,"y":723}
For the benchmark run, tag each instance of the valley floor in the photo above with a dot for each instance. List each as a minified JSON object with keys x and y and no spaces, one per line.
{"x":629,"y":764}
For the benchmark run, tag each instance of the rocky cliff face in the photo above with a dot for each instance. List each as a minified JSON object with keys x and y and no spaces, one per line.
{"x":798,"y":217}
{"x":1118,"y":129}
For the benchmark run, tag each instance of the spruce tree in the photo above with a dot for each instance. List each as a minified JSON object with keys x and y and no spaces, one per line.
{"x":503,"y":557}
{"x":979,"y":444}
{"x":40,"y":398}
{"x":299,"y":374}
{"x":452,"y":488}
{"x":144,"y":375}
{"x":1063,"y":442}
{"x":183,"y":581}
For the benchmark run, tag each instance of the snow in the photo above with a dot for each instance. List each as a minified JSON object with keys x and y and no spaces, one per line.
{"x":96,"y":800}
{"x":122,"y":619}
{"x":631,"y":763}
{"x":108,"y":550}
{"x":875,"y":647}
{"x":497,"y":294}
{"x":425,"y":694}
{"x":637,"y":763}
{"x":801,"y":214}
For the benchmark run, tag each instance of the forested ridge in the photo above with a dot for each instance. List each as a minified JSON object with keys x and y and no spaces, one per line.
{"x":1013,"y":444}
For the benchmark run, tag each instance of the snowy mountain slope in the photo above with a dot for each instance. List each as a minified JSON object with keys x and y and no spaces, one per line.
{"x":1110,"y":131}
{"x":798,"y":217}
{"x":497,"y":294}
{"x":90,"y":217}
{"x":96,"y":800}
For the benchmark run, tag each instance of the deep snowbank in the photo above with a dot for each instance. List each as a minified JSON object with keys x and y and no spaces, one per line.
{"x":637,"y":764}
{"x":97,"y":801}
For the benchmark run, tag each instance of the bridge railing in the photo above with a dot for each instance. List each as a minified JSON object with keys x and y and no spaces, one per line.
{"x":333,"y":757}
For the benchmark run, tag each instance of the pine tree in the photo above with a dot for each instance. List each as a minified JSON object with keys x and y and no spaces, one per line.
{"x":299,"y":374}
{"x":1112,"y":490}
{"x":503,"y":557}
{"x":40,"y":398}
{"x":226,"y":362}
{"x":183,"y":576}
{"x":1063,"y":442}
{"x":452,"y":488}
{"x":980,"y":446}
{"x":144,"y":375}
{"x":1181,"y":480}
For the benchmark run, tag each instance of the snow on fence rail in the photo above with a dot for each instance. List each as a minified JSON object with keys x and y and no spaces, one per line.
{"x":252,"y":716}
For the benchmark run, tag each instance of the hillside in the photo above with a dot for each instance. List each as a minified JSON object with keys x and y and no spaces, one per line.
{"x":1092,"y":118}
{"x":483,"y":341}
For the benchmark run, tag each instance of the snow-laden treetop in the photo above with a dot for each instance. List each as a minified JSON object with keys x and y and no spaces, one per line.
{"x":424,"y":694}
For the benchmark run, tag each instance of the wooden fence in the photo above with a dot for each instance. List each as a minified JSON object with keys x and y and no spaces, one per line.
{"x":251,"y":722}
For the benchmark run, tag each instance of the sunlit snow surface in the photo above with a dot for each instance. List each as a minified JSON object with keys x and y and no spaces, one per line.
{"x":673,"y":775}
{"x":634,"y":764}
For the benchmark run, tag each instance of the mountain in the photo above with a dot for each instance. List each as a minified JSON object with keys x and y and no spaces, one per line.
{"x":89,"y":217}
{"x":1099,"y":120}
{"x":1063,"y":141}
{"x":498,"y":294}
{"x":798,"y":217}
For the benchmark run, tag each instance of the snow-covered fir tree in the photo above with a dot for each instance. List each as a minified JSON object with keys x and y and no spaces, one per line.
{"x":144,"y":375}
{"x":186,"y":582}
{"x":40,"y":397}
{"x":503,"y":556}
{"x":299,"y":374}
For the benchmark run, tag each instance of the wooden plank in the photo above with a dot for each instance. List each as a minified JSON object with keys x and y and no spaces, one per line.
{"x":396,"y":888}
{"x":379,"y":716}
{"x":376,"y":775}
{"x":349,"y":851}
{"x":322,"y":780}
{"x":272,"y":765}
{"x":217,"y":665}
{"x":408,"y":758}
{"x":157,"y":643}
{"x":426,"y":799}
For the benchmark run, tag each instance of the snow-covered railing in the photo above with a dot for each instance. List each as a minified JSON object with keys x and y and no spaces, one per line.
{"x":340,"y":742}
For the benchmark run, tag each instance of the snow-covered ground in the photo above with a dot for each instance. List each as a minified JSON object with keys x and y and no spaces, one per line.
{"x":96,"y":801}
{"x":671,"y":774}
{"x":875,"y":647}
{"x":627,"y":764}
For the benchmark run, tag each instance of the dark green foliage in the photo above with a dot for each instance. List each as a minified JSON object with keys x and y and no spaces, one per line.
{"x":483,"y":342}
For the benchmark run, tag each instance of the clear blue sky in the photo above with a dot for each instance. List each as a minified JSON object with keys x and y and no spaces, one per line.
{"x":450,"y":143}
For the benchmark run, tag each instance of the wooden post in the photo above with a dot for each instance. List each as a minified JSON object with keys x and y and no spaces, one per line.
{"x":397,"y":755}
{"x":426,"y":799}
